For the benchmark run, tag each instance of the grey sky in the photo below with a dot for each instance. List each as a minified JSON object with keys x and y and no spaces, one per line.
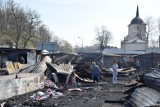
{"x":70,"y":19}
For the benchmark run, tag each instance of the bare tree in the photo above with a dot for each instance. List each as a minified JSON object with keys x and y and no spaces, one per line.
{"x":18,"y":26}
{"x":158,"y":28}
{"x":30,"y":27}
{"x":65,"y":47}
{"x":150,"y":27}
{"x":4,"y":27}
{"x":44,"y":34}
{"x":56,"y":39}
{"x":15,"y":19}
{"x":103,"y":37}
{"x":14,"y":23}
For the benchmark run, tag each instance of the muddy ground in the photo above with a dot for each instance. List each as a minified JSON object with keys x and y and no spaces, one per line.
{"x":90,"y":96}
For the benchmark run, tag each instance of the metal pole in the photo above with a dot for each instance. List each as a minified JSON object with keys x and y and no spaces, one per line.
{"x":124,"y":48}
{"x":159,"y":41}
{"x":82,"y":43}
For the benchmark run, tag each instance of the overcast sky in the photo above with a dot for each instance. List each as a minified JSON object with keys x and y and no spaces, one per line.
{"x":70,"y":19}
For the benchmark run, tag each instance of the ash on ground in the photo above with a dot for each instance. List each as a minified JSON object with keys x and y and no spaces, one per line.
{"x":90,"y":95}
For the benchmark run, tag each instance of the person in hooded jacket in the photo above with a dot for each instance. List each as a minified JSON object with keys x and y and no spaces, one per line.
{"x":95,"y":71}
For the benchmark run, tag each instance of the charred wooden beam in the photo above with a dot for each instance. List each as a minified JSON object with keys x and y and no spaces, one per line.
{"x":115,"y":91}
{"x":154,"y":106}
{"x":132,"y":83}
{"x":115,"y":101}
{"x":140,"y":78}
{"x":129,"y":91}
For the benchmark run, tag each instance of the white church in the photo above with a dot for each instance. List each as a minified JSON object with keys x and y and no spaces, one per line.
{"x":136,"y":38}
{"x":136,"y":41}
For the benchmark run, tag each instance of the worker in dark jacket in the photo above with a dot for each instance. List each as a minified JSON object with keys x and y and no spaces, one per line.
{"x":22,"y":60}
{"x":95,"y":72}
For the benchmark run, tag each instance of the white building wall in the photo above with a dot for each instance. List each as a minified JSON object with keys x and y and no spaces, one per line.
{"x":133,"y":46}
{"x":115,"y":51}
{"x":134,"y":30}
{"x":26,"y":82}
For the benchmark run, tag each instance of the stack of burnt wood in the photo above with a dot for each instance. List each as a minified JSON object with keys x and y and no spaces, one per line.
{"x":83,"y":69}
{"x":81,"y":64}
{"x":61,"y":70}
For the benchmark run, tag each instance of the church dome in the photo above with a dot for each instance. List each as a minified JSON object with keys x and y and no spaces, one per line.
{"x":137,"y":19}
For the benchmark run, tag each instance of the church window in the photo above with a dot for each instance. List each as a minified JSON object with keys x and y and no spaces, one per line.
{"x":139,"y":36}
{"x":138,"y":28}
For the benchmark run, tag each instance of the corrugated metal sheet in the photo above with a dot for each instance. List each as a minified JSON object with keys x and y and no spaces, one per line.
{"x":143,"y":97}
{"x":154,"y":74}
{"x":40,"y":67}
{"x":25,"y":69}
{"x":58,"y":69}
{"x":153,"y":80}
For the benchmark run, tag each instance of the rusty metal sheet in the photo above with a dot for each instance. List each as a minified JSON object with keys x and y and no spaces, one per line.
{"x":143,"y":97}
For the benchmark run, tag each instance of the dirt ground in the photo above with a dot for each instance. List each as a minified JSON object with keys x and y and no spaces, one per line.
{"x":90,"y":96}
{"x":95,"y":96}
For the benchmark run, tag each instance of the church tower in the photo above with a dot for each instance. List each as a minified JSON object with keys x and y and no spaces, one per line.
{"x":136,"y":38}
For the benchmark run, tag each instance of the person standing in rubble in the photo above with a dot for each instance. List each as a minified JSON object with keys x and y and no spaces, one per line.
{"x":71,"y":80}
{"x":95,"y":71}
{"x":115,"y":72}
{"x":137,"y":65}
{"x":22,"y":60}
{"x":158,"y":65}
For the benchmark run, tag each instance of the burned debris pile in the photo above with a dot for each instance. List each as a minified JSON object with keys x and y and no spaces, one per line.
{"x":132,"y":90}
